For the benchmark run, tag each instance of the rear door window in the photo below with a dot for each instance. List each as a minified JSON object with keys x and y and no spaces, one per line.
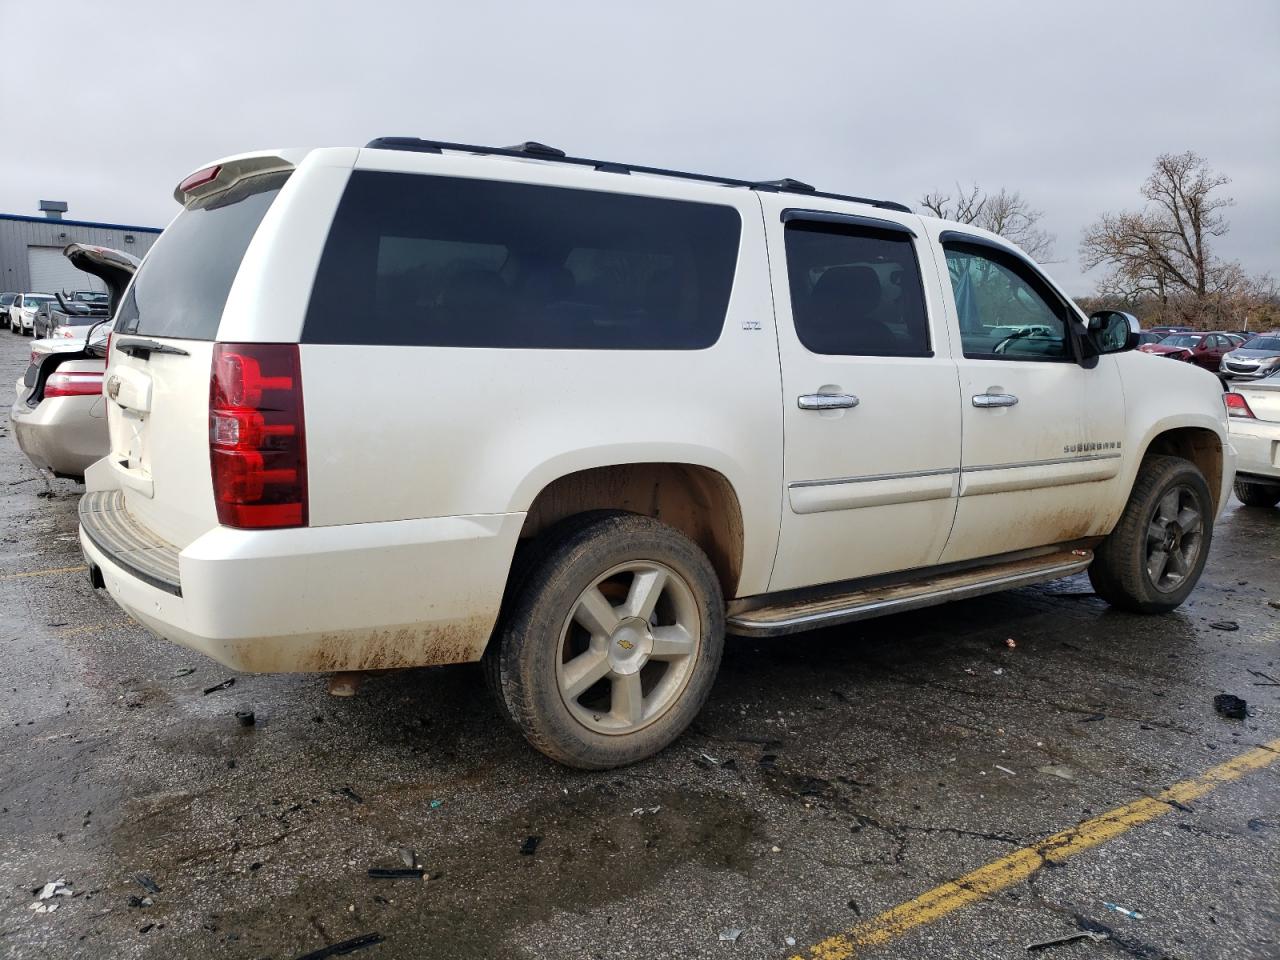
{"x":856,"y":291}
{"x":182,"y":286}
{"x":414,"y":260}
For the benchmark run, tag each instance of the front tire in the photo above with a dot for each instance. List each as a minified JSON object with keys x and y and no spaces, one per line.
{"x":612,"y":641}
{"x":1154,"y":557}
{"x":1257,"y":494}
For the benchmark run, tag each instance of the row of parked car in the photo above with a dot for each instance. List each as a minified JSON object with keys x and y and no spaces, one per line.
{"x":51,"y":314}
{"x":1232,"y":354}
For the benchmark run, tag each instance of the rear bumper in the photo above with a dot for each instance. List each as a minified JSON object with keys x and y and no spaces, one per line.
{"x":1257,"y":444}
{"x":365,"y":596}
{"x":62,"y":434}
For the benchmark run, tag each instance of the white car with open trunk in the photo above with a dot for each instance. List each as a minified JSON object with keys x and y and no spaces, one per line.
{"x":424,"y":403}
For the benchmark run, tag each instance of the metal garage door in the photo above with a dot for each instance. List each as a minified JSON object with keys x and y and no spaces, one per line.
{"x":51,"y":272}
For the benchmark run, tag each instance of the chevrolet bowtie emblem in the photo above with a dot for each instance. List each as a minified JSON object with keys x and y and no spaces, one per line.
{"x":625,"y":644}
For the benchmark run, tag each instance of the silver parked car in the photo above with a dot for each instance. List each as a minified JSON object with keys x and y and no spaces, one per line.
{"x":1253,"y":360}
{"x":59,"y":415}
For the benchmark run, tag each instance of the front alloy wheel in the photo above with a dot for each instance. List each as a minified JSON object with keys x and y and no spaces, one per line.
{"x":1174,"y":536}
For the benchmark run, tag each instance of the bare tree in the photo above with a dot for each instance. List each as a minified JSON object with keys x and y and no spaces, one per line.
{"x":1005,"y":212}
{"x":1163,"y":252}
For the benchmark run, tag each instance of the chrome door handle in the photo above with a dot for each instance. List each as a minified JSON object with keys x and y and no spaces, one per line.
{"x":826,"y":401}
{"x":994,"y":400}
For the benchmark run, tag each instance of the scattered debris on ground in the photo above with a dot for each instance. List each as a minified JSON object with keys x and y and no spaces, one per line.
{"x":1270,"y":680}
{"x":1006,"y":770}
{"x":530,"y":846}
{"x":1011,"y":643}
{"x":44,"y":895}
{"x":246,"y":718}
{"x":1227,"y":625}
{"x":731,"y":934}
{"x":1231,"y":706}
{"x":225,"y":684}
{"x":408,"y":857}
{"x":183,"y":672}
{"x":350,"y":794}
{"x":641,"y":811}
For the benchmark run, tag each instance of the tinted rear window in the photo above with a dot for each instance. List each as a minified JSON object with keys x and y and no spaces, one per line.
{"x":181,"y":288}
{"x":440,"y":261}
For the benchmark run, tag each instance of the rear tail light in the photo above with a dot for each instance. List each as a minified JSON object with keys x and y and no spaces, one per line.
{"x":1236,"y":405}
{"x":257,"y":441}
{"x":77,"y":384}
{"x":200,"y":178}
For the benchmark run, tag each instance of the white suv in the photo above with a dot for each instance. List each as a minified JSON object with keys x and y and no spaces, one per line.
{"x":585,"y":418}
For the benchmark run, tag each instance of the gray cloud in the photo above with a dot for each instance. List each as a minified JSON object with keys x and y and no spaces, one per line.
{"x":1068,"y":104}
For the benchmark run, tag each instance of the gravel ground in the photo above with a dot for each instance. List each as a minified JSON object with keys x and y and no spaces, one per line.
{"x":832,"y":777}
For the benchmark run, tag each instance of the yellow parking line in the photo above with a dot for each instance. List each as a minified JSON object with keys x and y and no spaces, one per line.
{"x":1020,"y":864}
{"x":44,"y":573}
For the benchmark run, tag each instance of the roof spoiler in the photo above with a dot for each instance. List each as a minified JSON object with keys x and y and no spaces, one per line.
{"x":225,"y":174}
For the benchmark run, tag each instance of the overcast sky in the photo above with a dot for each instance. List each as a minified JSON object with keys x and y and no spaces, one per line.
{"x":108,"y":105}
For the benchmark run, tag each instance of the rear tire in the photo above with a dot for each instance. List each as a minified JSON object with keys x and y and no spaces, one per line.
{"x":611,"y":641}
{"x":1257,"y":494}
{"x":1154,"y":557}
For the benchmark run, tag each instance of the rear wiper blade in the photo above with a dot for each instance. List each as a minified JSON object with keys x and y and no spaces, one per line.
{"x":144,"y":348}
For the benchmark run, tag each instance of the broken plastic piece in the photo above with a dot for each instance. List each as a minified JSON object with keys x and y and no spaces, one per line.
{"x":395,"y":873}
{"x":229,"y":682}
{"x":731,"y":934}
{"x":530,"y":846}
{"x":345,"y":947}
{"x":1230,"y":706}
{"x":1125,"y":911}
{"x":1070,"y":938}
{"x":408,"y":857}
{"x":55,"y":888}
{"x":146,"y":883}
{"x":1228,"y":625}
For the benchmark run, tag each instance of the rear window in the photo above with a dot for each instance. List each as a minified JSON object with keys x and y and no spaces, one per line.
{"x":416,"y":260}
{"x":1263,"y":343}
{"x":182,"y":286}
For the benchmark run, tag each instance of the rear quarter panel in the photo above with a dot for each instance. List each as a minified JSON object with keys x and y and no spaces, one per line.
{"x":401,"y":433}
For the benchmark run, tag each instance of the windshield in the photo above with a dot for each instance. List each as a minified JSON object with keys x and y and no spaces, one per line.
{"x":7,"y":298}
{"x":86,"y":296}
{"x":1263,"y":343}
{"x":1180,"y":340}
{"x":181,"y":288}
{"x":32,"y":301}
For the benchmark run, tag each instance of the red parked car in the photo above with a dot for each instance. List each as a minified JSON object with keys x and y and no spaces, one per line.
{"x":1202,"y":349}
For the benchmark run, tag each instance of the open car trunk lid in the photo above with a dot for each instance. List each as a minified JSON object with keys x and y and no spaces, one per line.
{"x":157,"y":380}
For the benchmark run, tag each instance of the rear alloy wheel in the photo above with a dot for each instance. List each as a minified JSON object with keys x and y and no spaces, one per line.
{"x":1156,"y":553}
{"x":1253,"y":494}
{"x":611,"y":641}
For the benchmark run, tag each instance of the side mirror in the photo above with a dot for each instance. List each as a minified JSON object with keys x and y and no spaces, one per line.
{"x":1113,"y":331}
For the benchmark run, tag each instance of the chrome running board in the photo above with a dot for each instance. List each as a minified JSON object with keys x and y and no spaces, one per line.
{"x":811,"y":612}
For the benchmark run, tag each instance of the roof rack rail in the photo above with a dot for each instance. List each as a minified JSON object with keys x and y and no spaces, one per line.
{"x":531,"y":149}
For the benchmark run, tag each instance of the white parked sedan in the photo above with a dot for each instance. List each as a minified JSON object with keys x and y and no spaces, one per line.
{"x":22,"y":312}
{"x":1254,"y":423}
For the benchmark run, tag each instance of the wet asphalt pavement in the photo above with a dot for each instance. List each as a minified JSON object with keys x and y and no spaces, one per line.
{"x":833,"y":776}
